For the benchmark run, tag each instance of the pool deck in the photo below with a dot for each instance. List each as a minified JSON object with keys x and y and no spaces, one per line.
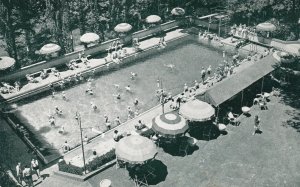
{"x":94,"y":64}
{"x":234,"y":159}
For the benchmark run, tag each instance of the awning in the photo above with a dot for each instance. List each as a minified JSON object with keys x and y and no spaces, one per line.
{"x":234,"y":84}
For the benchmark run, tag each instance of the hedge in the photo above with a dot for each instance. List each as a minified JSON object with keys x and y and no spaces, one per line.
{"x":91,"y":166}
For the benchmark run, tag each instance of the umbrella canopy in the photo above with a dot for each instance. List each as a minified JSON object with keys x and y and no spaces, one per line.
{"x":123,"y":27}
{"x":6,"y":62}
{"x":169,"y":125}
{"x":178,"y":11}
{"x":197,"y":110}
{"x":153,"y":19}
{"x":267,"y":27}
{"x":135,"y":149}
{"x":49,"y":48}
{"x":89,"y":37}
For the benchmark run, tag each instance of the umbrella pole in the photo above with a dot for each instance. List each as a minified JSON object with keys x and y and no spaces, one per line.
{"x":218,"y":109}
{"x":262,"y":85}
{"x":242,"y":98}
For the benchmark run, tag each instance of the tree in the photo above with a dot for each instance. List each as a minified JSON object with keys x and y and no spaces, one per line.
{"x":8,"y":23}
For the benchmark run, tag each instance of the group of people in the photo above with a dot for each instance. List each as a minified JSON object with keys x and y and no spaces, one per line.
{"x":115,"y":52}
{"x":7,"y":88}
{"x":25,"y":173}
{"x":243,"y":31}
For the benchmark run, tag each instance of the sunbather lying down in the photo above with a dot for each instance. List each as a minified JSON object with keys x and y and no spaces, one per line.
{"x":170,"y":66}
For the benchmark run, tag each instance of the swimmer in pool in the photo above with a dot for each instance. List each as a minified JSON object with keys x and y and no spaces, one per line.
{"x":93,"y":106}
{"x":133,"y":75}
{"x":117,"y":86}
{"x":185,"y":87}
{"x":53,"y":94}
{"x":63,"y":95}
{"x":196,"y":84}
{"x":136,"y":102}
{"x":170,"y":66}
{"x":58,"y":111}
{"x":127,"y":88}
{"x":208,"y":70}
{"x":118,"y":96}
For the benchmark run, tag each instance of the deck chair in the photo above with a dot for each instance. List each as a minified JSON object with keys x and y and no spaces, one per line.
{"x":206,"y":133}
{"x":263,"y":105}
{"x":233,"y":118}
{"x":183,"y":148}
{"x":140,"y":181}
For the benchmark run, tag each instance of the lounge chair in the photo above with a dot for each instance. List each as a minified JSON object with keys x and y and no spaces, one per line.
{"x":233,"y":118}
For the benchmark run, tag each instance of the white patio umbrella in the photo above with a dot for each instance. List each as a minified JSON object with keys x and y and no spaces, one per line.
{"x":178,"y":11}
{"x":6,"y":62}
{"x":153,"y":19}
{"x":196,"y":110}
{"x":169,"y":125}
{"x":135,"y":149}
{"x":123,"y":27}
{"x":267,"y":27}
{"x":49,"y":48}
{"x":89,"y":37}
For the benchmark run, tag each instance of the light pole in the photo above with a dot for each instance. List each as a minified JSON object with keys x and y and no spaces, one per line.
{"x":83,"y":156}
{"x":162,"y":98}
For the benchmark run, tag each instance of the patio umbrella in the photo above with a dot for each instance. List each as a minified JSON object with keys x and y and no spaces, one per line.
{"x":49,"y":48}
{"x":169,"y":125}
{"x":6,"y":62}
{"x":178,"y":11}
{"x":123,"y":27}
{"x":153,"y":19}
{"x":267,"y":27}
{"x":89,"y":37}
{"x":197,"y":110}
{"x":135,"y":149}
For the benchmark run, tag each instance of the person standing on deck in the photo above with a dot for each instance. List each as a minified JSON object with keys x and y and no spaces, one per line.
{"x":203,"y":74}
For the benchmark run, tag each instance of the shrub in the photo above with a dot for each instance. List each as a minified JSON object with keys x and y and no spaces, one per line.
{"x":91,"y":166}
{"x":101,"y":160}
{"x":69,"y":168}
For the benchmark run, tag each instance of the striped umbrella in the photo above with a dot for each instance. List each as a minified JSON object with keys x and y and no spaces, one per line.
{"x":169,"y":125}
{"x":153,"y":19}
{"x":49,"y":48}
{"x":89,"y":37}
{"x":196,"y":110}
{"x":267,"y":27}
{"x":135,"y":149}
{"x":6,"y":62}
{"x":178,"y":11}
{"x":123,"y":27}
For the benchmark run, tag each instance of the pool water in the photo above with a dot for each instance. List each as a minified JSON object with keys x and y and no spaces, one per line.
{"x":188,"y":58}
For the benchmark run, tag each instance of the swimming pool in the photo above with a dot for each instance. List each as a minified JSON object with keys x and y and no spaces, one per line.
{"x":188,"y":57}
